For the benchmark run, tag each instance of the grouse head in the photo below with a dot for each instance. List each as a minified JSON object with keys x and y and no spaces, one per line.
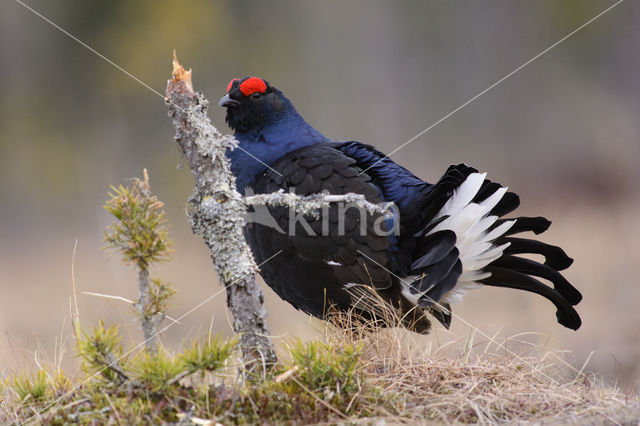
{"x":253,"y":104}
{"x":266,"y":125}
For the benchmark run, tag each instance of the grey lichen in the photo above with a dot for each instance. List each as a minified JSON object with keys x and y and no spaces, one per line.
{"x":311,"y":204}
{"x":232,"y":256}
{"x":217,"y":215}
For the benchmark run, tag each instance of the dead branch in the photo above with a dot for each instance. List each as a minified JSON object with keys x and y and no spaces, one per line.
{"x":221,"y":222}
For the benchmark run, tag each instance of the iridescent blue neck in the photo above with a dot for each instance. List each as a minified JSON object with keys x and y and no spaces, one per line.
{"x":260,"y":148}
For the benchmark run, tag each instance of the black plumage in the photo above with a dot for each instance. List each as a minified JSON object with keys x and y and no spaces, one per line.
{"x":442,"y":240}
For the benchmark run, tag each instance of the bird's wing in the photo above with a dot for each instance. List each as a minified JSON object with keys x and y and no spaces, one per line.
{"x":344,"y":248}
{"x":396,"y":183}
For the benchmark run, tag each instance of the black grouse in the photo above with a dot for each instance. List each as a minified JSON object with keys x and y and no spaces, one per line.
{"x":442,"y":240}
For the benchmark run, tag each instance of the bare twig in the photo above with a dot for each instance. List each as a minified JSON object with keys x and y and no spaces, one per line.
{"x":149,"y":322}
{"x":124,"y":299}
{"x":286,"y":375}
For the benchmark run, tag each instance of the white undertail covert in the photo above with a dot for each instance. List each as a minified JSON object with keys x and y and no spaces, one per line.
{"x":471,"y":223}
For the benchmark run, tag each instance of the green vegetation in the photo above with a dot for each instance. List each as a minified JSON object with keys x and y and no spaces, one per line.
{"x":101,"y":352}
{"x":31,"y":387}
{"x":328,"y":368}
{"x":322,"y":381}
{"x":208,"y":356}
{"x":139,"y":235}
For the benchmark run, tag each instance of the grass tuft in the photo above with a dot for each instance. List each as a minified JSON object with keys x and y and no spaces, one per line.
{"x":328,"y":369}
{"x":31,"y":387}
{"x":101,"y":352}
{"x":485,"y":386}
{"x":156,"y":372}
{"x":208,"y":356}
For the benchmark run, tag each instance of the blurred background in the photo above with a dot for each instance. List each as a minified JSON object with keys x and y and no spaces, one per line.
{"x":564,"y":133}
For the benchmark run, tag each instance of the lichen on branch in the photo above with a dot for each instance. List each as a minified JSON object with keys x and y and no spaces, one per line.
{"x":220,"y":224}
{"x":310,"y":204}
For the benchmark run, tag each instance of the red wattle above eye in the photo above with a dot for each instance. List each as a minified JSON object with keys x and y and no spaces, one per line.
{"x":253,"y":85}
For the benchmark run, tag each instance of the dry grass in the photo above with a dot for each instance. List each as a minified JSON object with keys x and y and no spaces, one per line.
{"x":494,"y":381}
{"x":498,"y":389}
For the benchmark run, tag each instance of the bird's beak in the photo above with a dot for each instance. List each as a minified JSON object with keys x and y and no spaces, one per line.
{"x":227,"y":102}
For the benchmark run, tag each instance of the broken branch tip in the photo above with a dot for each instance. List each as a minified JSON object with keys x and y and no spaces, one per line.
{"x":179,"y":73}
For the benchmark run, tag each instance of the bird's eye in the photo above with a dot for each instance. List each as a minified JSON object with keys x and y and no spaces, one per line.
{"x":256,"y":95}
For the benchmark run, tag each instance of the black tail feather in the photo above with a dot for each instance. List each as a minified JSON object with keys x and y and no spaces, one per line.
{"x":501,"y":277}
{"x":554,"y":256}
{"x":442,"y":190}
{"x":531,"y":267}
{"x":431,"y":249}
{"x":537,"y":225}
{"x":435,"y":274}
{"x":442,"y":287}
{"x":509,"y":202}
{"x":434,"y":254}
